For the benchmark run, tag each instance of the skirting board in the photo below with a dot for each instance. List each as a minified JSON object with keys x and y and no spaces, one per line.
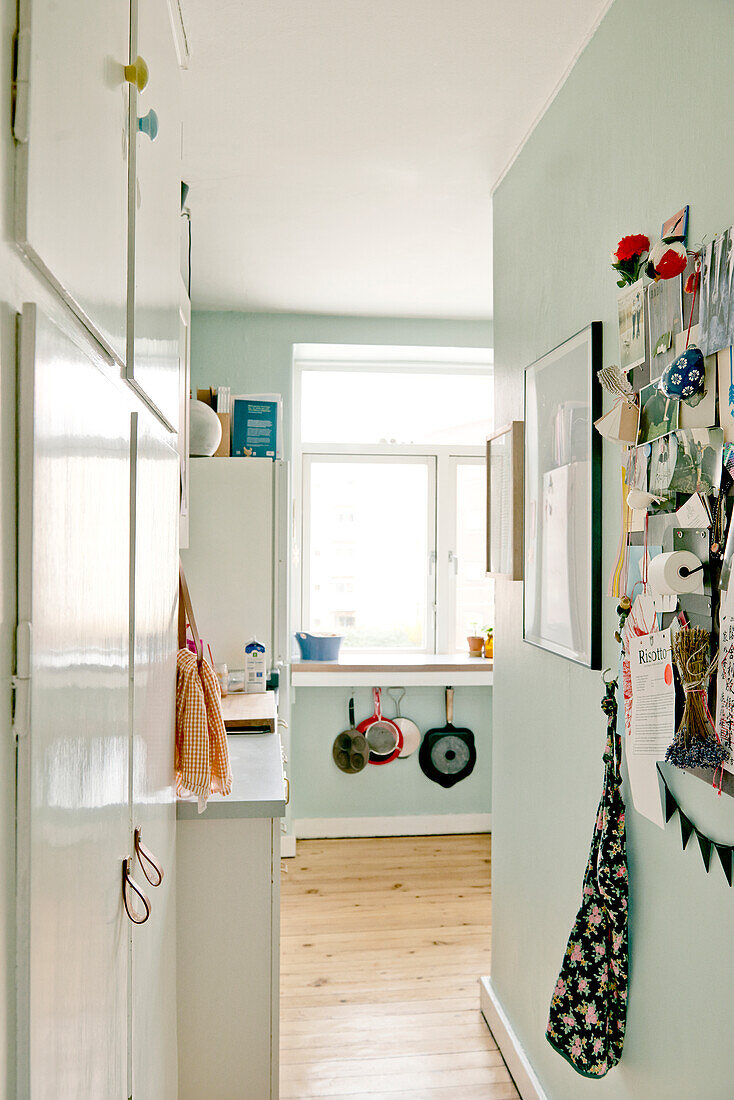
{"x":511,"y":1049}
{"x":287,"y":846}
{"x":312,"y":828}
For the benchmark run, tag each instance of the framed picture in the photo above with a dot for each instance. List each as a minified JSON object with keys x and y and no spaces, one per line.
{"x":505,"y":502}
{"x":562,"y":513}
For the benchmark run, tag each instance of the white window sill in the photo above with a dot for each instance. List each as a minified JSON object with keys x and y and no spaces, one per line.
{"x":394,"y":670}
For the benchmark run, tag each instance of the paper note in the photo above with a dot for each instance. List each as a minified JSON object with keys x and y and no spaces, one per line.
{"x":694,"y":512}
{"x":653,"y":694}
{"x":725,"y":684}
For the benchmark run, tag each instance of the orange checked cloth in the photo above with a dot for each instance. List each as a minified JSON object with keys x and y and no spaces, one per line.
{"x":202,"y":755}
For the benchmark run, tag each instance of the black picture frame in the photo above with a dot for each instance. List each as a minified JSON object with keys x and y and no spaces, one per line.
{"x":562,"y":500}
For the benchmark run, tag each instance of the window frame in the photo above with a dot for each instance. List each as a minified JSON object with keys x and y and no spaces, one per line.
{"x":440,"y":576}
{"x":349,"y":454}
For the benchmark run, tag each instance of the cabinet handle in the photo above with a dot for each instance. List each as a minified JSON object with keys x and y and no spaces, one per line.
{"x":137,"y":73}
{"x":287,"y":789}
{"x":148,"y":124}
{"x":130,"y":888}
{"x":148,"y":864}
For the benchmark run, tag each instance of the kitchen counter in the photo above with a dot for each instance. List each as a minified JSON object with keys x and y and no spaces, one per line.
{"x":258,"y":781}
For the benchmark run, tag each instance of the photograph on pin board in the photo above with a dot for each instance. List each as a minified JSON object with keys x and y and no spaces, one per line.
{"x":658,"y":414}
{"x":717,"y":272}
{"x":662,"y":461}
{"x":664,"y":321}
{"x":702,"y":414}
{"x":631,"y":310}
{"x":698,"y":461}
{"x":637,"y":467}
{"x":725,"y":363}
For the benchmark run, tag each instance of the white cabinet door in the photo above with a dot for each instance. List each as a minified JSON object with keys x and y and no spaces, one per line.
{"x":228,"y":958}
{"x":155,"y":625}
{"x":155,"y":204}
{"x":72,"y":720}
{"x":71,"y":122}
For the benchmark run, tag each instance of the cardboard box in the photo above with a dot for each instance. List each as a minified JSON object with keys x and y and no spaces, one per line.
{"x":224,"y":450}
{"x":207,"y":396}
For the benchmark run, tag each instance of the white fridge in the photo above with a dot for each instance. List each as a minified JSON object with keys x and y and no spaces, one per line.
{"x":237,"y":566}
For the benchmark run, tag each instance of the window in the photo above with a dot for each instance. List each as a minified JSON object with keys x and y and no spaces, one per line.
{"x":389,"y":458}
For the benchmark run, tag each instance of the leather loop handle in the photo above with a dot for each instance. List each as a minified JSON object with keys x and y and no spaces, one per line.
{"x":148,"y":863}
{"x":130,"y":887}
{"x":449,"y":706}
{"x":351,"y":713}
{"x":184,"y":591}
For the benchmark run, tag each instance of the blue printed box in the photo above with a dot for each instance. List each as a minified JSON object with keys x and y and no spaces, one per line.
{"x":255,"y":428}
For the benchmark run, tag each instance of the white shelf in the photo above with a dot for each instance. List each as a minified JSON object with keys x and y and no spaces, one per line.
{"x":424,"y":670}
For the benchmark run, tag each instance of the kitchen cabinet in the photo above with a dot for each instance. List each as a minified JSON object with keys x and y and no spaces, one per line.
{"x":228,"y":930}
{"x":154,"y":219}
{"x":94,"y":719}
{"x":98,"y":177}
{"x":71,"y":720}
{"x":71,"y":125}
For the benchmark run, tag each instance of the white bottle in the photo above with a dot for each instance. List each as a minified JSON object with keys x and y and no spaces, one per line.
{"x":255,"y":678}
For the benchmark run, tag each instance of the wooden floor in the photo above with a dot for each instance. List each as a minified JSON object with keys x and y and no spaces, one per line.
{"x":383,"y":942}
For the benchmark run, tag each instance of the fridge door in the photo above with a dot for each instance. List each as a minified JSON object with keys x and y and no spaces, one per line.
{"x":154,"y":623}
{"x":229,"y":561}
{"x":72,"y":719}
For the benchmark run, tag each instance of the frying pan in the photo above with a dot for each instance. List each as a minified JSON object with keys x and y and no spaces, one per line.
{"x":383,"y":736}
{"x":350,"y":749}
{"x":447,"y":753}
{"x":408,"y":728}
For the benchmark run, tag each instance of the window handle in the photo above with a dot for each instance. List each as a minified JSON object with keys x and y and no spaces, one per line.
{"x":454,"y":560}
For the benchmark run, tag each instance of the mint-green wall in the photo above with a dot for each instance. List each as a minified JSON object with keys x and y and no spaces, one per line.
{"x":393,"y":790}
{"x":641,"y":127}
{"x":253,"y":353}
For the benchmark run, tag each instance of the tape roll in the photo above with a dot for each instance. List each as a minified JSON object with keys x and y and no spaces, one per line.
{"x":675,"y":573}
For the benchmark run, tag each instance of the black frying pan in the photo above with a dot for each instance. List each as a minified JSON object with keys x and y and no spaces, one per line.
{"x":448,"y":753}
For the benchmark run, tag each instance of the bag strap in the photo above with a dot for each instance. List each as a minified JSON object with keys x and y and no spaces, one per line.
{"x":186,"y":597}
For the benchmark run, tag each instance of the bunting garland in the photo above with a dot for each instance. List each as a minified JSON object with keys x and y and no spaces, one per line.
{"x":725,"y":852}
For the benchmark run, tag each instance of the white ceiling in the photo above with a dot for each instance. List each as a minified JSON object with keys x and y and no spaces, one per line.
{"x":341,"y":153}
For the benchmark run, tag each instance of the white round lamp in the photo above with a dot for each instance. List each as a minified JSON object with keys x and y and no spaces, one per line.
{"x":205,"y":430}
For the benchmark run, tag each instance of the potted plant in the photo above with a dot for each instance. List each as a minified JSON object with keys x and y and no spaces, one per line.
{"x":489,"y":642}
{"x":475,"y":641}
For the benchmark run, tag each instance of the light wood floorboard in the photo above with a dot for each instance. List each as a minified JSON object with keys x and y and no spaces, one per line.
{"x":382,"y":945}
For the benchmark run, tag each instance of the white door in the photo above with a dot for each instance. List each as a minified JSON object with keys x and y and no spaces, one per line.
{"x":72,"y":720}
{"x":71,"y":120}
{"x":155,"y":632}
{"x":154,"y":215}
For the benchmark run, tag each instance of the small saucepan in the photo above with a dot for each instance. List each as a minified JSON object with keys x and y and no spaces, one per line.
{"x":384,"y":737}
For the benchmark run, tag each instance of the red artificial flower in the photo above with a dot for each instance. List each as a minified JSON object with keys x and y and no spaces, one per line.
{"x":629,"y":247}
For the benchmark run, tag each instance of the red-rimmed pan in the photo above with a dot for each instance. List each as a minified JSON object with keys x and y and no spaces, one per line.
{"x":384,"y":738}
